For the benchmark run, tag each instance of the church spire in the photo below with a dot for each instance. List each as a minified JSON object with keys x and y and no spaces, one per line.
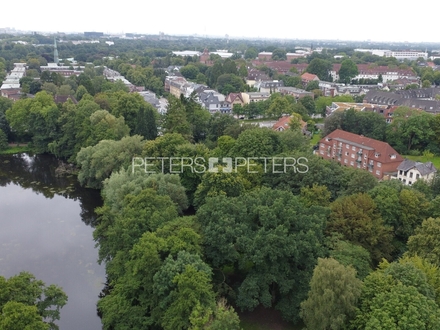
{"x":55,"y":51}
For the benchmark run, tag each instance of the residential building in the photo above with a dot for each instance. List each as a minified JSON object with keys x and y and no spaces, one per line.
{"x":271,"y":86}
{"x":361,"y":152}
{"x":214,"y":102}
{"x":254,"y":97}
{"x":409,"y":171}
{"x":265,"y":56}
{"x":235,"y":98}
{"x":423,"y":98}
{"x":284,"y":123}
{"x":308,"y":77}
{"x":368,"y":71}
{"x":295,"y":92}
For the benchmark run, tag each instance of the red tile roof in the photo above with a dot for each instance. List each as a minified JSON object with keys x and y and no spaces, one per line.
{"x":284,"y":123}
{"x":309,"y":77}
{"x":384,"y":149}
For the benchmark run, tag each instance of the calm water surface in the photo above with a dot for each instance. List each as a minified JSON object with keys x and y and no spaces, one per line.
{"x":46,"y":229}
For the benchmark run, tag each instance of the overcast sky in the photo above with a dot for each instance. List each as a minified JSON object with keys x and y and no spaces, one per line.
{"x":377,"y":20}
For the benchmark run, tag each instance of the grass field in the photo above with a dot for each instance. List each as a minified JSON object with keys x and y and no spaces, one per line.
{"x":315,"y":139}
{"x":15,"y":150}
{"x":435,"y":159}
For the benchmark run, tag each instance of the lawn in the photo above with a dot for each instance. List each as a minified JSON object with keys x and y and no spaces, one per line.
{"x":315,"y":139}
{"x":435,"y":159}
{"x":15,"y":150}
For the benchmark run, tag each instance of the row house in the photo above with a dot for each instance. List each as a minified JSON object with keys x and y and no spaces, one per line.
{"x":358,"y":151}
{"x":10,"y":87}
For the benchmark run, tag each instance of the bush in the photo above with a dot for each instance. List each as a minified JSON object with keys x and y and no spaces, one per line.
{"x":3,"y":140}
{"x":414,"y":152}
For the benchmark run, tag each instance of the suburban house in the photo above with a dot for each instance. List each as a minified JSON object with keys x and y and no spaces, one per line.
{"x":410,"y":171}
{"x":214,"y":101}
{"x":235,"y":98}
{"x":255,"y":76}
{"x":284,"y":123}
{"x":358,"y":151}
{"x":308,"y":77}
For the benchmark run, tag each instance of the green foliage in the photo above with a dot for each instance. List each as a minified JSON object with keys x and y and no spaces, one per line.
{"x":358,"y":220}
{"x":98,"y":162}
{"x":220,"y":183}
{"x":127,"y":181}
{"x":424,"y":242}
{"x":315,"y":195}
{"x":268,"y":237}
{"x":257,"y":142}
{"x":347,"y":71}
{"x":349,"y":254}
{"x":334,"y":291}
{"x":27,"y":303}
{"x":3,"y":140}
{"x":320,"y":68}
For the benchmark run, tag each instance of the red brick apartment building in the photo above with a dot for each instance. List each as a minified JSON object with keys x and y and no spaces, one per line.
{"x":357,"y":151}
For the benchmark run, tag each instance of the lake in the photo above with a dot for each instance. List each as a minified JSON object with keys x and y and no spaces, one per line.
{"x":46,"y":228}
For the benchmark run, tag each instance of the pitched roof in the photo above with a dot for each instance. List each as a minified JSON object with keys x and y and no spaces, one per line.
{"x":423,"y":168}
{"x":309,"y":76}
{"x":375,"y":147}
{"x":233,"y":96}
{"x":284,"y":123}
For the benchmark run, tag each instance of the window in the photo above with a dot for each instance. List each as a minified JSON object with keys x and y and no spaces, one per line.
{"x":417,"y":176}
{"x":351,"y":163}
{"x":377,"y":172}
{"x":352,"y":155}
{"x":321,"y":152}
{"x":393,"y":156}
{"x":410,"y":182}
{"x":365,"y":156}
{"x":347,"y":146}
{"x":345,"y":161}
{"x":347,"y":153}
{"x":400,"y":172}
{"x":322,"y":145}
{"x":379,"y":164}
{"x":410,"y":174}
{"x":376,"y":154}
{"x":353,"y":148}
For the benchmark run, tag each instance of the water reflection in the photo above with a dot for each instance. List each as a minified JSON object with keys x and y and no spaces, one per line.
{"x":41,"y":232}
{"x":37,"y":172}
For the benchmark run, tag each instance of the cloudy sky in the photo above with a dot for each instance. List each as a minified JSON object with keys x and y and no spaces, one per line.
{"x":377,"y":20}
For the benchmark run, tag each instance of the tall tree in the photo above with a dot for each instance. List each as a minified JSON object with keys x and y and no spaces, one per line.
{"x":333,"y":295}
{"x":348,"y":71}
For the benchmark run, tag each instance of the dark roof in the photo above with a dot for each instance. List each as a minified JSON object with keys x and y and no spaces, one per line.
{"x":423,"y":168}
{"x":64,"y":98}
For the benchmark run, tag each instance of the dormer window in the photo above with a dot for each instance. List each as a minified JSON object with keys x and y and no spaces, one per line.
{"x":393,"y":156}
{"x":376,"y":154}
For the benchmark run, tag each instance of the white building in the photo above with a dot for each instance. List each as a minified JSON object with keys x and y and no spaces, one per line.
{"x":407,"y":55}
{"x":410,"y":171}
